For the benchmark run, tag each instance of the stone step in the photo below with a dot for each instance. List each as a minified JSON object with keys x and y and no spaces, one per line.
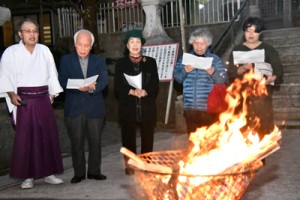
{"x":287,"y":113}
{"x":293,"y":77}
{"x":289,"y":56}
{"x":293,"y":57}
{"x":290,"y":124}
{"x":287,"y":89}
{"x":288,"y":50}
{"x":291,"y":67}
{"x":286,"y":100}
{"x":282,"y":43}
{"x":289,"y":47}
{"x":278,"y":33}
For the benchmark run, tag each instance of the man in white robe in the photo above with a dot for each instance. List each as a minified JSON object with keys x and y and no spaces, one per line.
{"x":29,"y":82}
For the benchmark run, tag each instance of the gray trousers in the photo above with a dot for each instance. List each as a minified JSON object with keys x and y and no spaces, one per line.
{"x":79,"y":129}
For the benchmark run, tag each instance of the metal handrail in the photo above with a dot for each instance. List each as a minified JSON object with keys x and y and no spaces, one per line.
{"x":229,"y":25}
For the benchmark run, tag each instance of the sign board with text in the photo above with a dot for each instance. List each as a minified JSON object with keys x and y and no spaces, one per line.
{"x":121,"y":4}
{"x":166,"y":57}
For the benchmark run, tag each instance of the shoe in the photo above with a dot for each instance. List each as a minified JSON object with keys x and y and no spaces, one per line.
{"x":27,"y":183}
{"x":77,"y":179}
{"x":96,"y":177}
{"x":129,"y":171}
{"x":53,"y":180}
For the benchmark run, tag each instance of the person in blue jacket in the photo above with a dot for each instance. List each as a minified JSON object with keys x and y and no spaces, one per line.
{"x":197,"y":83}
{"x":84,"y":107}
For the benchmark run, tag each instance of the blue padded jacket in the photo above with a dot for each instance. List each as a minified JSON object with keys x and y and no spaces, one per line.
{"x":198,"y":83}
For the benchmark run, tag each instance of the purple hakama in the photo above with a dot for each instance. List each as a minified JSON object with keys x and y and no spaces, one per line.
{"x":36,"y":149}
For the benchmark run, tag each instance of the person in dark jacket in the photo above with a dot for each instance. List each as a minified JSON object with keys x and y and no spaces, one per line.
{"x":137,"y":106}
{"x":258,"y":106}
{"x":84,"y":106}
{"x":197,"y":83}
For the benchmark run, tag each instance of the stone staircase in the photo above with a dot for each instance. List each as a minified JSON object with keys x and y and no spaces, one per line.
{"x":286,"y":97}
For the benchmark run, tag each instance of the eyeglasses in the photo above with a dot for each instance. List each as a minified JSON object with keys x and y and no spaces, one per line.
{"x":30,"y":31}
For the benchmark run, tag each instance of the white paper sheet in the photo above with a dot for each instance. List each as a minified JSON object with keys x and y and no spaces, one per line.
{"x":78,"y":83}
{"x":197,"y":62}
{"x":262,"y":69}
{"x":253,"y":56}
{"x":134,"y":81}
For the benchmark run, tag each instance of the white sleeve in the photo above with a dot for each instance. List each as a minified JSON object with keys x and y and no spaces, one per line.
{"x":53,"y":83}
{"x":7,"y":77}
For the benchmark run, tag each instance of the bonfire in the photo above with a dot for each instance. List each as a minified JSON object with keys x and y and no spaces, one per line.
{"x":222,"y":160}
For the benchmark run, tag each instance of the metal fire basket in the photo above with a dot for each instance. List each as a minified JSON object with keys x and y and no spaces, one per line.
{"x":162,"y":186}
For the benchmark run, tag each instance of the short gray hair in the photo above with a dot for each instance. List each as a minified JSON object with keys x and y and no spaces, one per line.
{"x":84,"y":31}
{"x":201,"y":33}
{"x":27,"y":20}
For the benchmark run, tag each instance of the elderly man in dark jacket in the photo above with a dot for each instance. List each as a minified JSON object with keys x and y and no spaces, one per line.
{"x":84,"y":107}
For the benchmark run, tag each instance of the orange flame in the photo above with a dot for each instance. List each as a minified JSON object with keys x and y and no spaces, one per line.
{"x":223,"y":144}
{"x":224,"y":156}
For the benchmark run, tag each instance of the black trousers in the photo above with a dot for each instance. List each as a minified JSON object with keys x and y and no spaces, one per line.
{"x":260,"y":107}
{"x":78,"y":129}
{"x":195,"y":119}
{"x":129,"y":130}
{"x":260,"y":117}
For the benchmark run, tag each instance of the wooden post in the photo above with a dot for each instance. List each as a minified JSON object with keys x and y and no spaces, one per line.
{"x":169,"y":102}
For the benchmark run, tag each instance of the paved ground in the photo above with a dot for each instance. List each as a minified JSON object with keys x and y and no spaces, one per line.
{"x":278,"y":180}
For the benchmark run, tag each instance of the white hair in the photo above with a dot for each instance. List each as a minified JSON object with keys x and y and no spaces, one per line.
{"x":84,"y":31}
{"x":201,"y":33}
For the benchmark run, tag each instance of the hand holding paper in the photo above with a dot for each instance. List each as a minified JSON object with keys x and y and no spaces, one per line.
{"x":88,"y":88}
{"x":197,"y":62}
{"x":78,"y":83}
{"x":134,"y":81}
{"x":253,"y":56}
